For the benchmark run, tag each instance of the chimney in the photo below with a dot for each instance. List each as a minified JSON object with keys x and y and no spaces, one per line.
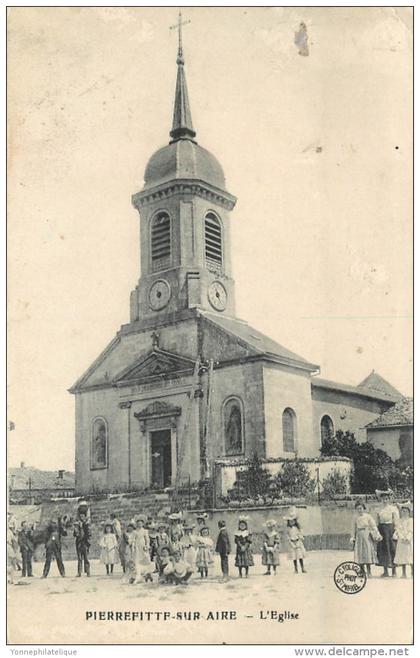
{"x":61,"y":474}
{"x":22,"y":464}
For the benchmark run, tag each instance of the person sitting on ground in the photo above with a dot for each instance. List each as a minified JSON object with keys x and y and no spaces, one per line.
{"x":177,"y":571}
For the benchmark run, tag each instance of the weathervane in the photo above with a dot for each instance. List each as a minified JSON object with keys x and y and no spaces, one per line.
{"x":178,"y":27}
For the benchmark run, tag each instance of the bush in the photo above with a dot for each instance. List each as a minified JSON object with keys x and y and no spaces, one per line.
{"x":372,"y":467}
{"x":334,"y":484}
{"x":255,"y":482}
{"x":294,"y":480}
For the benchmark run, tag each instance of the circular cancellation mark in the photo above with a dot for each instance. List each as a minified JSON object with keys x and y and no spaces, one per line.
{"x":350,"y":578}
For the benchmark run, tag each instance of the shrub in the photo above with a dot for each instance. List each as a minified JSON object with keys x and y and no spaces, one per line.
{"x":334,"y":484}
{"x":294,"y":480}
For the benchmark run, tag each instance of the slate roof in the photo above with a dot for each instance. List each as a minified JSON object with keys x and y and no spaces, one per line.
{"x":319,"y":382}
{"x":378,"y":384}
{"x":401,"y":413}
{"x":258,"y":342}
{"x":40,"y":479}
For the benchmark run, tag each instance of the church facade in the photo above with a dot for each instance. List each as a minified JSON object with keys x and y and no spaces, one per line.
{"x":186,"y":382}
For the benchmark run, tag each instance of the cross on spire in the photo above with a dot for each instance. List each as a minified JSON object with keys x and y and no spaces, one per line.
{"x":182,"y":127}
{"x":178,"y":27}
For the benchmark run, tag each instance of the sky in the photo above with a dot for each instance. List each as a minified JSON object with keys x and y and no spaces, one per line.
{"x":317,"y":148}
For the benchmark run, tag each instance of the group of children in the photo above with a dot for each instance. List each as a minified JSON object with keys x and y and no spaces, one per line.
{"x":386,"y":542}
{"x":174,"y":549}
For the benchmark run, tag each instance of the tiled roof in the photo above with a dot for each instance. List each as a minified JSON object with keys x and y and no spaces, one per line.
{"x":401,"y":413}
{"x":257,"y":341}
{"x":378,"y":384}
{"x":319,"y":382}
{"x":19,"y":479}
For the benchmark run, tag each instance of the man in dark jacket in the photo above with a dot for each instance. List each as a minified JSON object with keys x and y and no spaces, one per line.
{"x":54,"y":532}
{"x":26,"y":545}
{"x":223,"y":548}
{"x":82,"y":534}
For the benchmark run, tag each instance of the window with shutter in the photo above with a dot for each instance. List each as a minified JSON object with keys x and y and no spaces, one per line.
{"x":161,"y":242}
{"x":213,"y":242}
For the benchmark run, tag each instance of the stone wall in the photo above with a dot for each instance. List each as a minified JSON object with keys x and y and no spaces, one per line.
{"x":325,"y":527}
{"x":226,"y":474}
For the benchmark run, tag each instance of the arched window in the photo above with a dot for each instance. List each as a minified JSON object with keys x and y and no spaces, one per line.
{"x":289,"y":430}
{"x":327,"y":429}
{"x":160,"y":242}
{"x":213,"y":242}
{"x":233,"y":426}
{"x":99,"y":444}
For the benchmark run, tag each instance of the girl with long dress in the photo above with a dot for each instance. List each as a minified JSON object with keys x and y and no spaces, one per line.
{"x":388,"y":518}
{"x":365,"y":536}
{"x":109,"y":548}
{"x":189,"y":546}
{"x":205,"y":552}
{"x":243,"y":540}
{"x":404,"y":537}
{"x":142,"y":561}
{"x":271,"y":548}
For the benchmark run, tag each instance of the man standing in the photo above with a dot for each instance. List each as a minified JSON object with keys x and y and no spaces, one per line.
{"x":26,"y":545}
{"x":54,"y":533}
{"x":82,"y":534}
{"x":223,"y":548}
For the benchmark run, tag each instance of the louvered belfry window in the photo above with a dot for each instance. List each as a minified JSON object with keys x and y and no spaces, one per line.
{"x":161,"y":242}
{"x":213,"y":242}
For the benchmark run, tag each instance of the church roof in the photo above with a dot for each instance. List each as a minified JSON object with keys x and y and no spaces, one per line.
{"x":378,"y":384}
{"x":259,"y":343}
{"x":401,"y":413}
{"x":363,"y":391}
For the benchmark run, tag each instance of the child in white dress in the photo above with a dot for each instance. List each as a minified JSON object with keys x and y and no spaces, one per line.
{"x":205,"y":552}
{"x":404,"y":537}
{"x":109,"y":548}
{"x":295,"y":537}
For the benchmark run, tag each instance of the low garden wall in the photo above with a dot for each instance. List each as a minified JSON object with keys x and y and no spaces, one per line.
{"x":226,"y":471}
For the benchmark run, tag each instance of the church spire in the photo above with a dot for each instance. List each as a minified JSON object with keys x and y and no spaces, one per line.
{"x":182,"y":127}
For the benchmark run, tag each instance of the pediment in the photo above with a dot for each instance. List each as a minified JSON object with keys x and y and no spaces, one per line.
{"x":156,"y":365}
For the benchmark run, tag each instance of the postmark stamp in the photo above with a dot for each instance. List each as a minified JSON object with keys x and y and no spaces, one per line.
{"x":350,"y":578}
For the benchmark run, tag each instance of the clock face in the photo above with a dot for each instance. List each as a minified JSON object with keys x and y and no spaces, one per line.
{"x":217,"y":296}
{"x":159,"y":294}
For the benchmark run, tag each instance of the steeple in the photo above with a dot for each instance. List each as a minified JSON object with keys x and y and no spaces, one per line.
{"x":182,"y":127}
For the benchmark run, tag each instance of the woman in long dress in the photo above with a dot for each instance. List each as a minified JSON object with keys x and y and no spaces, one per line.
{"x":388,"y":518}
{"x":365,"y":536}
{"x":141,"y":550}
{"x":271,"y":548}
{"x":404,"y":537}
{"x":189,"y":546}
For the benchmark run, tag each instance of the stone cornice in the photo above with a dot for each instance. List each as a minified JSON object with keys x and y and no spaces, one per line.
{"x":184,"y":186}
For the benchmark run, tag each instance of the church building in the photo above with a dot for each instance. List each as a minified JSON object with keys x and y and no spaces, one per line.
{"x":186,"y":382}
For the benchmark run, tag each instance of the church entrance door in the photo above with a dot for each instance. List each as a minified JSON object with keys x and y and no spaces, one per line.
{"x":161,"y":458}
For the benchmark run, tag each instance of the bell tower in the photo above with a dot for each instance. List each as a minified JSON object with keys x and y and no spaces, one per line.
{"x":184,"y":223}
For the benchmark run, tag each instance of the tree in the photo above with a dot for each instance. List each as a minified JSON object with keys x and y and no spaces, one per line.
{"x":372,"y":468}
{"x":294,"y":480}
{"x":334,"y":484}
{"x":256,"y":480}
